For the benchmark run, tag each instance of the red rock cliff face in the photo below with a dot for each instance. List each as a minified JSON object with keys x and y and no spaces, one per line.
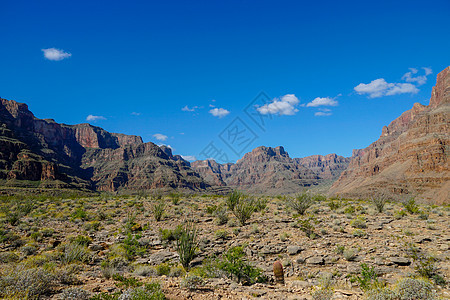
{"x":328,"y":167}
{"x":84,"y":155}
{"x":411,"y":155}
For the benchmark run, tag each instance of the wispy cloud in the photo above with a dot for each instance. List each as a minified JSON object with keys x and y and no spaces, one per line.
{"x":285,"y":105}
{"x":323,"y":112}
{"x":135,"y":113}
{"x":93,"y":118}
{"x":420,"y":80}
{"x":327,"y":101}
{"x":55,"y":54}
{"x":379,"y":87}
{"x":219,"y":112}
{"x":160,"y":136}
{"x":189,"y":157}
{"x":186,"y":108}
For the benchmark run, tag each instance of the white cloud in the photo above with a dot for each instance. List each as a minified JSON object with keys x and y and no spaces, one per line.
{"x":186,"y":108}
{"x":55,"y":54}
{"x":327,"y":101}
{"x":94,"y":118}
{"x":422,"y":79}
{"x":282,"y":106}
{"x":219,"y":112}
{"x":160,"y":136}
{"x":379,"y":87}
{"x":135,"y":113}
{"x":189,"y":157}
{"x":322,"y":114}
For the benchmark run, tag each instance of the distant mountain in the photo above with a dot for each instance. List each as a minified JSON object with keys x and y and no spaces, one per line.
{"x":271,"y":170}
{"x":83,"y":156}
{"x":411,"y":155}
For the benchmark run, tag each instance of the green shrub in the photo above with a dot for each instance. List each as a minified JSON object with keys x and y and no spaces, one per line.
{"x":74,"y":252}
{"x":381,"y":294}
{"x":411,"y":206}
{"x":221,"y":215}
{"x":132,"y":247}
{"x":75,"y":293}
{"x":233,"y":264}
{"x":150,"y":291}
{"x":306,"y":225}
{"x":233,"y":199}
{"x":158,"y":210}
{"x":414,"y":289}
{"x":187,"y":244}
{"x":244,"y":209}
{"x":322,"y":294}
{"x":23,"y":283}
{"x":359,"y":222}
{"x":175,"y":197}
{"x":192,"y":282}
{"x":379,"y":201}
{"x":368,"y":278}
{"x":163,"y":269}
{"x":301,"y":202}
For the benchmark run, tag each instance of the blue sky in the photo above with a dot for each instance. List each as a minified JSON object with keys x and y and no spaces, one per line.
{"x":181,"y":72}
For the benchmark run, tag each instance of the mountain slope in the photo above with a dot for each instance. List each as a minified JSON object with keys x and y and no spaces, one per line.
{"x":411,"y":155}
{"x":83,"y":155}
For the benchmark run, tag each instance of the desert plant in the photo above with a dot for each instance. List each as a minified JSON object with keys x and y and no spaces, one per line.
{"x":359,"y":222}
{"x":233,"y":264}
{"x":244,"y":209}
{"x":301,"y":202}
{"x":74,"y":252}
{"x":278,"y":272}
{"x":74,"y":293}
{"x":414,"y":289}
{"x":175,"y":197}
{"x":367,"y":279}
{"x":410,"y":205}
{"x":322,"y":294}
{"x":379,"y":201}
{"x":306,"y":225}
{"x":233,"y":199}
{"x":350,"y":254}
{"x":22,"y":283}
{"x":381,"y":294}
{"x":187,"y":244}
{"x":158,"y":210}
{"x":221,"y":215}
{"x":191,"y":282}
{"x":150,"y":291}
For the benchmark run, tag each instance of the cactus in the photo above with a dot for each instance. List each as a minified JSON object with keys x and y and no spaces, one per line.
{"x":278,"y":272}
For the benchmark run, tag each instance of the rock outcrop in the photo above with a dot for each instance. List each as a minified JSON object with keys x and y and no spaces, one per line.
{"x":327,"y":167}
{"x":271,"y":170}
{"x":411,"y":155}
{"x":83,"y":155}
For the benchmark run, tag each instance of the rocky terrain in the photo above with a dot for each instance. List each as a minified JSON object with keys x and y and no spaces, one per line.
{"x":271,"y":171}
{"x":109,"y":247}
{"x":43,"y":153}
{"x":411,"y":155}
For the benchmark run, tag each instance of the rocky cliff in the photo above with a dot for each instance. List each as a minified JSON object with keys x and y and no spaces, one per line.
{"x":411,"y":155}
{"x":271,"y":170}
{"x":83,"y":155}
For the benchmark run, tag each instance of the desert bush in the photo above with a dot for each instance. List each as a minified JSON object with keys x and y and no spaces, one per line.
{"x":145,"y":271}
{"x":177,"y":271}
{"x":410,"y":205}
{"x":23,"y":283}
{"x":168,"y":235}
{"x":261,"y":204}
{"x":74,"y":293}
{"x":28,"y":250}
{"x":192,"y":282}
{"x":322,"y":294}
{"x":244,"y":209}
{"x":132,"y":247}
{"x":210,"y":209}
{"x":221,"y":215}
{"x":158,"y":210}
{"x":233,"y":263}
{"x":381,"y":294}
{"x":367,"y":279}
{"x":8,"y":257}
{"x":301,"y":202}
{"x":222,"y":234}
{"x":359,"y":222}
{"x":414,"y":289}
{"x":81,"y":240}
{"x":150,"y":291}
{"x":187,"y":244}
{"x":233,"y":199}
{"x":306,"y":224}
{"x":74,"y":252}
{"x":163,"y":269}
{"x":379,"y":201}
{"x":175,"y":197}
{"x":350,"y":254}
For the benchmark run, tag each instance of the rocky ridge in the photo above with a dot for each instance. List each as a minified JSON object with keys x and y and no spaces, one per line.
{"x":83,"y":155}
{"x":411,"y":155}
